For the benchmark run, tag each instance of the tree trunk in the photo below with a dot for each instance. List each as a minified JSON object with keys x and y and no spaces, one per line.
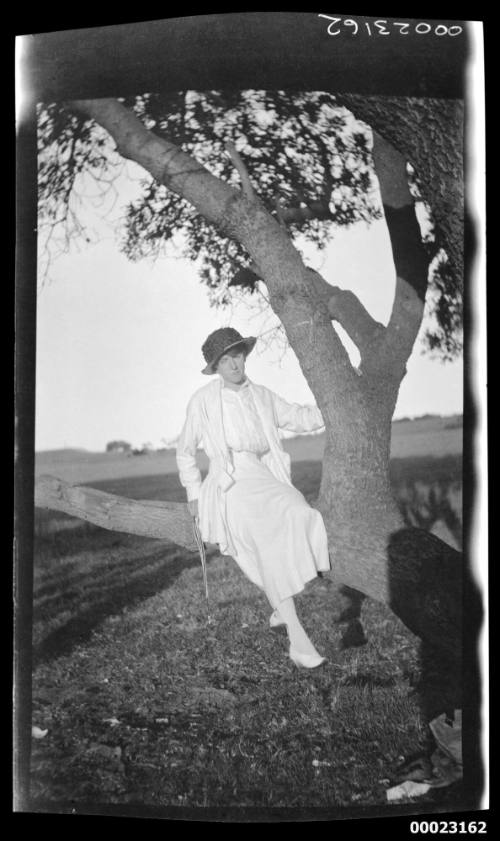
{"x":371,"y":550}
{"x":430,"y":134}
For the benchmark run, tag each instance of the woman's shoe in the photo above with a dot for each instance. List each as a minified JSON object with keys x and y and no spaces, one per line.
{"x":306,"y":661}
{"x":275,"y":621}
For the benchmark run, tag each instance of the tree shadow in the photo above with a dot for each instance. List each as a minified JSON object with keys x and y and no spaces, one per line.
{"x":434,"y":594}
{"x":105,"y":589}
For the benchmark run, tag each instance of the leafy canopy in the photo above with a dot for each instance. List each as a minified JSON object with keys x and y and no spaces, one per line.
{"x":301,"y":151}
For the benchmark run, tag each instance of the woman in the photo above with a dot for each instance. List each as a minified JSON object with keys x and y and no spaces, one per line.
{"x":247,"y":503}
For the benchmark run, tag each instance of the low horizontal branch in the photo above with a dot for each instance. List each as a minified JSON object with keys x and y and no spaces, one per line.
{"x":428,"y":602}
{"x":148,"y":518}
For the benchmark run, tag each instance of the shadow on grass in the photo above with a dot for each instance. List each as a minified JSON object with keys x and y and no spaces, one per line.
{"x":434,"y":593}
{"x":103,"y":590}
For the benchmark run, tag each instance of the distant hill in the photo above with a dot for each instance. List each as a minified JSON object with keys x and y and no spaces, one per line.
{"x":429,"y":435}
{"x":455,"y":420}
{"x":63,"y":454}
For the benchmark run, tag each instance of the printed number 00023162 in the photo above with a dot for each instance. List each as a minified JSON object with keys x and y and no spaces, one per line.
{"x":448,"y":827}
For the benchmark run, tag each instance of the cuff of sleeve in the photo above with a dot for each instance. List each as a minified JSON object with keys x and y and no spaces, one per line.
{"x":193,"y":492}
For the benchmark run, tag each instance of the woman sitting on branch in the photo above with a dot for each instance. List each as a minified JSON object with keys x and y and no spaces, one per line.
{"x":247,"y":503}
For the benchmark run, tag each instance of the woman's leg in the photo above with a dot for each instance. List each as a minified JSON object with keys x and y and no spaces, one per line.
{"x":299,"y":640}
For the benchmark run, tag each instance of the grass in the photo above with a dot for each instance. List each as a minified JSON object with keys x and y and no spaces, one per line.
{"x":148,"y":703}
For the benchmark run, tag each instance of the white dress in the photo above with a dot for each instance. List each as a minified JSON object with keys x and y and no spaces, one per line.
{"x":280,"y":542}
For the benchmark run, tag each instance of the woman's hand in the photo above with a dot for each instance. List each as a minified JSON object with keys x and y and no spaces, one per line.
{"x":193,"y":507}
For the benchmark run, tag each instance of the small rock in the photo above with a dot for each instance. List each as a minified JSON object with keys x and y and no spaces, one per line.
{"x":37,"y":733}
{"x":212,"y":695}
{"x":107,"y":752}
{"x":407,"y":789}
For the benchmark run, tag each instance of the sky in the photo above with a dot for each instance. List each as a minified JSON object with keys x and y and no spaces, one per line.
{"x":119,"y":343}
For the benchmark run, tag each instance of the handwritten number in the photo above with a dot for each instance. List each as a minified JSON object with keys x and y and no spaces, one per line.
{"x":422,"y":28}
{"x":350,"y":22}
{"x":333,"y":22}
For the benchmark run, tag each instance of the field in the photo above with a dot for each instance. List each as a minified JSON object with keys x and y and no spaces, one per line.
{"x":433,"y":436}
{"x":148,"y":702}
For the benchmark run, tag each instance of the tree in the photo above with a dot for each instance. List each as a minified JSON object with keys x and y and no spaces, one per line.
{"x":372,"y":550}
{"x":308,"y":157}
{"x":118,"y":446}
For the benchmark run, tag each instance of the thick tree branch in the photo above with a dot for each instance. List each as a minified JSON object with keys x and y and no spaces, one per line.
{"x":167,"y":163}
{"x":346,"y":308}
{"x":149,"y":518}
{"x":412,"y":268}
{"x":436,"y":149}
{"x":390,"y":168}
{"x":410,"y":258}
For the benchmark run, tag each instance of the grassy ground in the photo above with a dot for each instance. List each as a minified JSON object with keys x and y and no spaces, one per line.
{"x":146,"y":702}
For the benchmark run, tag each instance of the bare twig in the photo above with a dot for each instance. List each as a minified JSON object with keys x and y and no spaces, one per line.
{"x":238,"y":164}
{"x":279,"y":213}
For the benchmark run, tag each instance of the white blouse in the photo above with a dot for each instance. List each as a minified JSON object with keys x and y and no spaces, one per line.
{"x":242,"y":425}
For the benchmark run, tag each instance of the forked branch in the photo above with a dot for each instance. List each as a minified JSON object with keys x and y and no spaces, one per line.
{"x":346,"y":308}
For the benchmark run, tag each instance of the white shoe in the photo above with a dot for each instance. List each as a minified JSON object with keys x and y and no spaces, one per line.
{"x":307,"y":661}
{"x":275,"y":621}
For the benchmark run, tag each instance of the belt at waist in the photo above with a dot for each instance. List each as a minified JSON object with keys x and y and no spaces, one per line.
{"x":239,"y":456}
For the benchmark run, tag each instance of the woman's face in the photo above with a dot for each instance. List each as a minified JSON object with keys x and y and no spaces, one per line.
{"x":231,"y":367}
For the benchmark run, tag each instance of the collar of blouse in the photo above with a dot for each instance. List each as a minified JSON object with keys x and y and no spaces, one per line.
{"x":228,"y":390}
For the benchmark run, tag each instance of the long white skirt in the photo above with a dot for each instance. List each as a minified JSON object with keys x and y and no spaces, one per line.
{"x":280,"y":541}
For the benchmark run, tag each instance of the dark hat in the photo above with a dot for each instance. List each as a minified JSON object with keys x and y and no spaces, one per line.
{"x":219,"y":342}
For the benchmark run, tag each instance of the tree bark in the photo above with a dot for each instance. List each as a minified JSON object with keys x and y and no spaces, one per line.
{"x":430,"y":135}
{"x":370,"y":545}
{"x":145,"y":517}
